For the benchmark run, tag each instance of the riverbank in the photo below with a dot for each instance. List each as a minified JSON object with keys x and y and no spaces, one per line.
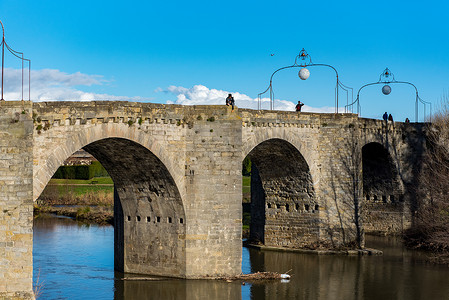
{"x":87,"y":214}
{"x":364,"y":251}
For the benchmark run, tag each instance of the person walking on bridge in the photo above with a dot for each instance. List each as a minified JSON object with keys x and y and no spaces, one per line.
{"x":390,"y":118}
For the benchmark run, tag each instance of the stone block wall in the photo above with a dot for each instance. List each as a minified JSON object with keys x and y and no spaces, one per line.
{"x":213,"y":172}
{"x":340,"y":179}
{"x":16,"y":204}
{"x":384,"y":217}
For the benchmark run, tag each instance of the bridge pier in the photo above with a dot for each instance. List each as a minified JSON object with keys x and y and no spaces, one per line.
{"x":16,"y":201}
{"x":213,"y":171}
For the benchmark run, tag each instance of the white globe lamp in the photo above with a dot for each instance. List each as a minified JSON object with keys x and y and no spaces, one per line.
{"x":304,"y":74}
{"x":386,"y":89}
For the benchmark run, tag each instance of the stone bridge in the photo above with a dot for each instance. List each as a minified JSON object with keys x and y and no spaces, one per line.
{"x":317,"y":180}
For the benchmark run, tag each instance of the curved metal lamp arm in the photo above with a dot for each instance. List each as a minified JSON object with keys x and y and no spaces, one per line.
{"x":392,"y":82}
{"x":270,"y":86}
{"x":3,"y":30}
{"x":303,"y":56}
{"x":18,"y":55}
{"x":358,"y":97}
{"x":3,"y":56}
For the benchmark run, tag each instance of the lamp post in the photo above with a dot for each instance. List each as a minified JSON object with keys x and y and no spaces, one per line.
{"x":302,"y":61}
{"x":387,"y":78}
{"x":3,"y":55}
{"x":18,"y":55}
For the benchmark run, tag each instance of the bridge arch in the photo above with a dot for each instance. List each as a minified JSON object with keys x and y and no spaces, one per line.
{"x":284,"y":207}
{"x":149,"y":214}
{"x":384,"y":208}
{"x":251,"y":141}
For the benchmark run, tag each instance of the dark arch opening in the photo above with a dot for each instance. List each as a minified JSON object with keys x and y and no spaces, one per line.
{"x":380,"y":178}
{"x":284,"y":209}
{"x":143,"y":190}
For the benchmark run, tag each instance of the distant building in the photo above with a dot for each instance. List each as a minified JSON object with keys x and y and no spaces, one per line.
{"x":80,"y":157}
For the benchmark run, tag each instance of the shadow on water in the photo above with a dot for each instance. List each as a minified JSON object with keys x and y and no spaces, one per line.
{"x":76,"y":262}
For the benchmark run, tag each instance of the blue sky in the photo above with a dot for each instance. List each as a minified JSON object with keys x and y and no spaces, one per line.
{"x":196,"y":51}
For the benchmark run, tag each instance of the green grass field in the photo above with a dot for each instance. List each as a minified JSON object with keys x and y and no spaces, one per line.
{"x":79,"y":187}
{"x":246,"y":182}
{"x":97,"y":187}
{"x":95,"y":180}
{"x":79,"y":190}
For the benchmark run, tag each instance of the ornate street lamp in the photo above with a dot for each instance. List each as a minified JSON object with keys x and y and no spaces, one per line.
{"x":302,"y":61}
{"x":18,"y":55}
{"x":387,"y":78}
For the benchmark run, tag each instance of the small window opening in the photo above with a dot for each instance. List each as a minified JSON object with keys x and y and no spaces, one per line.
{"x":278,"y":206}
{"x":269,"y":205}
{"x":287,"y":207}
{"x":158,"y":219}
{"x":392,"y":198}
{"x":148,"y":219}
{"x":306,"y":206}
{"x":138,"y":218}
{"x":297,"y":206}
{"x":181,"y":220}
{"x":375,"y":197}
{"x":317,"y":207}
{"x":367,"y":197}
{"x":129,"y":218}
{"x":169,"y":219}
{"x":384,"y":199}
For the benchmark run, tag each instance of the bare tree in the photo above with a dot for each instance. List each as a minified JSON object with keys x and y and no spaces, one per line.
{"x":430,"y":229}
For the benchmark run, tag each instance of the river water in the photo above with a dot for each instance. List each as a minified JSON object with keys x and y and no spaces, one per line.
{"x":74,"y":261}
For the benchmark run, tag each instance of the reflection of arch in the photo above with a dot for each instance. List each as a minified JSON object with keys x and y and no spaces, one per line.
{"x":381,"y":181}
{"x":55,"y":154}
{"x":282,"y":195}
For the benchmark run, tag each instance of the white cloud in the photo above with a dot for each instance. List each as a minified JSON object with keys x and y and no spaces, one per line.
{"x":54,"y":85}
{"x":202,"y":95}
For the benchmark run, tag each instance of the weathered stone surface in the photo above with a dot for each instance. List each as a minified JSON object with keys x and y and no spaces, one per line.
{"x":177,"y":175}
{"x":16,"y":205}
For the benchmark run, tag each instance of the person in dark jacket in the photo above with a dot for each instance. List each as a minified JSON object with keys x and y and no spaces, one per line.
{"x":299,"y":105}
{"x":230,"y":101}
